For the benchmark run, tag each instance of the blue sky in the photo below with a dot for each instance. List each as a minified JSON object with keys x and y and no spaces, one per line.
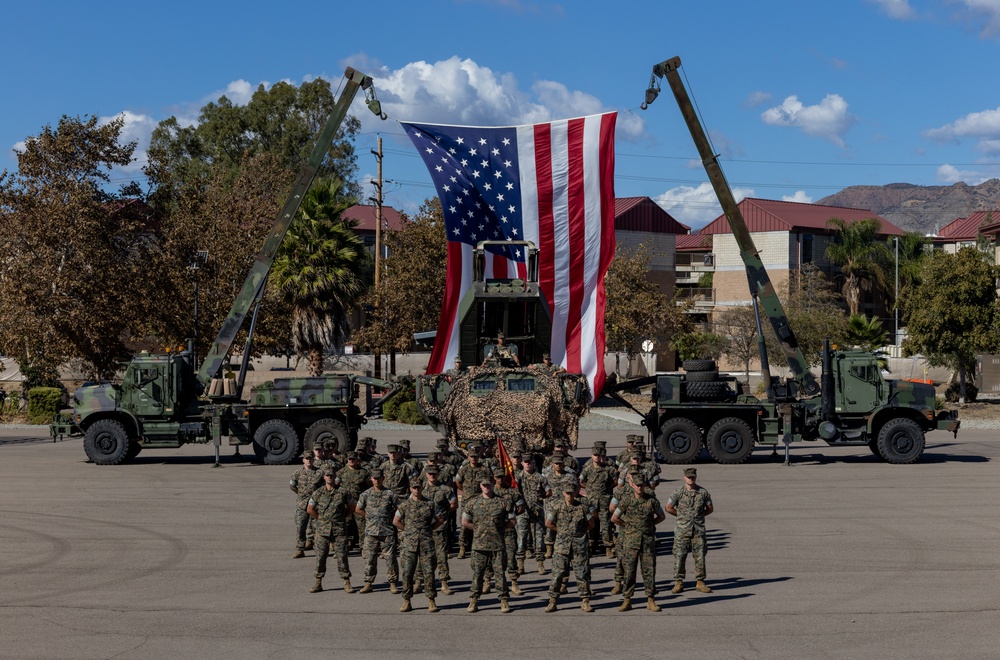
{"x":802,"y":99}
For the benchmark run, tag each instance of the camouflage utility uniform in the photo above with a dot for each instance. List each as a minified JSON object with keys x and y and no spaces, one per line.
{"x":572,"y":545}
{"x":304,"y":481}
{"x":355,"y":481}
{"x":689,"y":530}
{"x":531,"y":523}
{"x":600,"y":481}
{"x":489,"y":517}
{"x":638,"y":515}
{"x":443,"y":496}
{"x":417,"y":543}
{"x":380,"y":535}
{"x":468,"y":478}
{"x":333,"y":507}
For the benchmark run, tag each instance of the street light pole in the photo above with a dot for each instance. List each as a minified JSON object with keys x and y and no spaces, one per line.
{"x":896,"y":305}
{"x":197,"y":259}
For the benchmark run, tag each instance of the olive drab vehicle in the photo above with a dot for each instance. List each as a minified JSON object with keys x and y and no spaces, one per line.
{"x":165,"y":400}
{"x":852,"y":404}
{"x":525,"y":405}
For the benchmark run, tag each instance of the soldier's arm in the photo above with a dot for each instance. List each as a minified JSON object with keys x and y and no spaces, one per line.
{"x":397,"y":521}
{"x":709,"y":508}
{"x":311,"y":510}
{"x":550,"y":523}
{"x":615,"y":518}
{"x":360,"y":507}
{"x":670,"y":508}
{"x":467,"y":522}
{"x":438,"y":521}
{"x":292,"y":485}
{"x":351,"y":506}
{"x":660,"y":517}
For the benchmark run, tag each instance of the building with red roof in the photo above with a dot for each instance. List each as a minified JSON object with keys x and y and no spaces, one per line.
{"x":964,"y":232}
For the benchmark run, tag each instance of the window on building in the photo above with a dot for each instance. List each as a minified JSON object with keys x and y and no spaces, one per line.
{"x":807,"y":248}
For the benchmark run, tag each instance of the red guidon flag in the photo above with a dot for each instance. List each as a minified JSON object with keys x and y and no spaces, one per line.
{"x":508,"y":465}
{"x":551,"y":184}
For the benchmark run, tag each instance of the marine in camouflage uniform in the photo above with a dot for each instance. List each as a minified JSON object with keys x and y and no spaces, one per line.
{"x":487,"y":517}
{"x":416,"y":466}
{"x":378,"y":505}
{"x":599,"y":479}
{"x":397,"y":472}
{"x":303,"y":482}
{"x":467,"y":479}
{"x":637,"y":461}
{"x":502,"y":354}
{"x":617,"y":495}
{"x":571,"y":519}
{"x":416,"y":518}
{"x":502,"y":488}
{"x":632,"y":441}
{"x":355,"y":478}
{"x":531,"y":524}
{"x":561,"y":450}
{"x":690,"y":505}
{"x":558,"y":477}
{"x":638,"y":517}
{"x":331,"y":507}
{"x":444,"y":496}
{"x":546,"y":367}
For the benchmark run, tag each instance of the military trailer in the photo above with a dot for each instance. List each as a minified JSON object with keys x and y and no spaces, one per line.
{"x":853,"y":404}
{"x":526,"y":406}
{"x":166,"y":401}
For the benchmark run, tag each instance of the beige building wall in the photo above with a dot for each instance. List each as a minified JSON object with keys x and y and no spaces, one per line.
{"x":662,"y":250}
{"x":777,"y":251}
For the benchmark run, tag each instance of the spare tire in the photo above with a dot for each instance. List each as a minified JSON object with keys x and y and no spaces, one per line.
{"x":713,"y":391}
{"x":698,"y":365}
{"x":702,"y":376}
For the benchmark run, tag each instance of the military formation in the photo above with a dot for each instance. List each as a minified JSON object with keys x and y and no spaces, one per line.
{"x":407,"y":515}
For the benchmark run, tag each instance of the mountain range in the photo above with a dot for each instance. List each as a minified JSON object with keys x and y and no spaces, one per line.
{"x":920,"y":208}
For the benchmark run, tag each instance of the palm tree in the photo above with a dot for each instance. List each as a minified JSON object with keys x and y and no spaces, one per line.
{"x":869,"y":335}
{"x":861,"y":256}
{"x":912,"y":255}
{"x":321,"y":271}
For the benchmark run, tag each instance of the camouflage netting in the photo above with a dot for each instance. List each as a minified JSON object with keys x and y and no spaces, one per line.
{"x":523,"y":420}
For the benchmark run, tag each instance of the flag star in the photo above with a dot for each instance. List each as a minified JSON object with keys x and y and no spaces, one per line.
{"x":511,"y":208}
{"x":473,"y":237}
{"x":446,"y":188}
{"x":470,"y":214}
{"x":481,"y":226}
{"x":491,"y":208}
{"x":465,"y":191}
{"x":504,"y":219}
{"x":510,"y":186}
{"x":453,"y":179}
{"x":488,"y":186}
{"x":497,"y":174}
{"x":483,"y":164}
{"x":464,"y":162}
{"x":418,"y":133}
{"x":475,"y":174}
{"x":461,"y":140}
{"x":429,"y":150}
{"x":472,"y":152}
{"x":452,"y":151}
{"x":444,"y":159}
{"x":507,"y":163}
{"x":496,"y":152}
{"x":518,"y":253}
{"x":506,"y":141}
{"x":457,"y":231}
{"x":438,"y":168}
{"x":464,"y":222}
{"x":479,"y":205}
{"x":514,"y":231}
{"x":499,"y":198}
{"x":482,"y":140}
{"x":496,"y":233}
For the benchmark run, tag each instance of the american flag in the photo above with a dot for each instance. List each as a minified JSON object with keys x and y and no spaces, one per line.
{"x":551,"y":184}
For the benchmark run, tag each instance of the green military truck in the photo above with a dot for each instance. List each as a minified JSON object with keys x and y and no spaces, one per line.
{"x":851,"y":405}
{"x":527,"y":406}
{"x":166,"y":401}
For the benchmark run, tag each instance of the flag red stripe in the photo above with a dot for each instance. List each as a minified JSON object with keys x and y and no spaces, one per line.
{"x":546,"y":237}
{"x":607,"y":157}
{"x":500,"y":267}
{"x":454,"y":288}
{"x":577,"y":242}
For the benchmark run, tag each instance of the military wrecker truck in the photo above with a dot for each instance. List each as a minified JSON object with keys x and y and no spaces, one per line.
{"x":165,"y":401}
{"x":852,"y":404}
{"x":526,"y":406}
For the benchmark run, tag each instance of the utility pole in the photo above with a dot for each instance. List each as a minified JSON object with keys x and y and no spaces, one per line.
{"x":895,"y":340}
{"x":378,"y":246}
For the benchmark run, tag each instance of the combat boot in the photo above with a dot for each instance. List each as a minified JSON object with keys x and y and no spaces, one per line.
{"x":585,"y":605}
{"x":445,"y":589}
{"x":609,"y":552}
{"x":504,"y":606}
{"x":563,"y":589}
{"x":702,"y":587}
{"x":309,"y":545}
{"x":617,"y":588}
{"x":347,"y":587}
{"x":520,"y":565}
{"x":651,"y":605}
{"x":431,"y":605}
{"x":551,"y":606}
{"x":406,"y":607}
{"x":461,"y":552}
{"x":473,"y":606}
{"x":367,"y":589}
{"x":625,"y":606}
{"x":678,"y":587}
{"x":548,"y":551}
{"x":392,"y":587}
{"x":541,"y":567}
{"x":487,"y":586}
{"x":298,"y":554}
{"x":317,"y":587}
{"x":514,"y":589}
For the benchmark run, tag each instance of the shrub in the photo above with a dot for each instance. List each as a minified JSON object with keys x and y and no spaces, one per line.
{"x":43,"y":404}
{"x":951,"y":394}
{"x":391,"y":410}
{"x":408,"y":413}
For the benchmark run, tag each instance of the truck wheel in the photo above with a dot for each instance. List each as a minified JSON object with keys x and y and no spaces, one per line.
{"x":106,"y":442}
{"x":900,"y":441}
{"x":873,"y":446}
{"x":698,"y":365}
{"x":730,"y":441}
{"x":279,"y":441}
{"x":679,"y":441}
{"x":133,"y":450}
{"x":701,"y":376}
{"x":706,"y":391}
{"x":326,"y":430}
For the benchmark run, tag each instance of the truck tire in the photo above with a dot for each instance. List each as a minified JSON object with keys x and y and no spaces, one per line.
{"x":679,"y":441}
{"x":279,"y":441}
{"x":698,"y":365}
{"x":133,"y":450}
{"x":900,"y":441}
{"x":713,"y":391}
{"x":327,"y":430}
{"x":106,"y":442}
{"x":730,"y":441}
{"x":701,"y":376}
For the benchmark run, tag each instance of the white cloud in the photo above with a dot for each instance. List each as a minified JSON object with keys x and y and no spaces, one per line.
{"x":828,"y":119}
{"x":950,"y":174}
{"x":696,"y":206}
{"x":460,"y":91}
{"x":755,"y":99}
{"x":138,"y":128}
{"x":799,"y":196}
{"x":984,"y":15}
{"x":984,"y":125}
{"x":900,"y":9}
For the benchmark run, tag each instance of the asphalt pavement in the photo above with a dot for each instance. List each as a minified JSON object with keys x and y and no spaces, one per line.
{"x":836,"y":556}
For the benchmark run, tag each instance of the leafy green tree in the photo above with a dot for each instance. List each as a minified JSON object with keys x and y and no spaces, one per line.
{"x":739,"y":326}
{"x":636,"y":308}
{"x":411,"y":285}
{"x":869,"y":335}
{"x":321,"y":270}
{"x":862,"y":258}
{"x":72,"y":255}
{"x":814,"y":314}
{"x":699,"y":345}
{"x":953,"y":313}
